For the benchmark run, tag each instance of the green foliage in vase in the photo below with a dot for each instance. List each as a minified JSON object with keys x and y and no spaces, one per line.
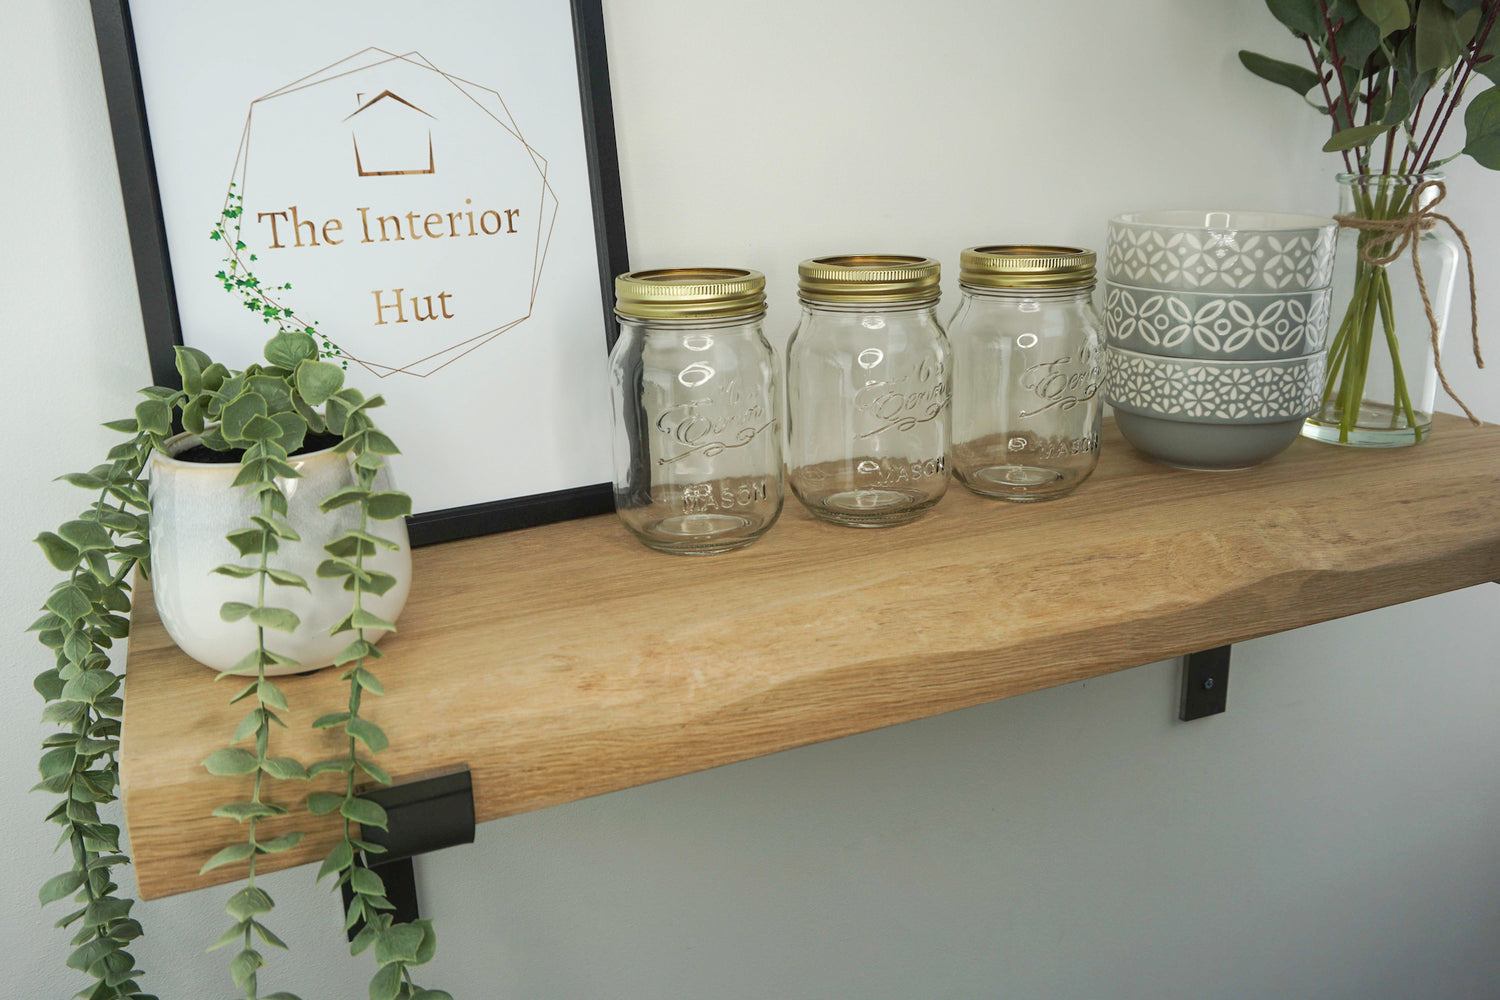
{"x":263,"y":414}
{"x":1390,"y":75}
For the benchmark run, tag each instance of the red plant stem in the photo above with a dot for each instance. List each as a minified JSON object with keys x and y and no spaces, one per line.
{"x":1416,"y":116}
{"x":1337,"y":61}
{"x":1327,"y":97}
{"x":1477,"y":45}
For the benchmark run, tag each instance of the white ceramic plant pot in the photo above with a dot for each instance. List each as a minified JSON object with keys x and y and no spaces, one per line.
{"x":194,"y":506}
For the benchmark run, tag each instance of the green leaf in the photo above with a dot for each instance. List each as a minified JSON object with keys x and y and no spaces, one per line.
{"x":388,"y":506}
{"x":318,"y":380}
{"x":233,"y":611}
{"x":374,"y":770}
{"x":239,"y":572}
{"x":248,"y":902}
{"x":288,"y":349}
{"x":1361,"y":135}
{"x":293,"y":430}
{"x":253,"y":541}
{"x":323,"y":803}
{"x":154,"y":417}
{"x":386,"y":983}
{"x":230,"y":761}
{"x":89,"y":685}
{"x":285,"y":842}
{"x":106,"y":910}
{"x":242,"y":811}
{"x":259,"y":428}
{"x":239,"y":412}
{"x":84,"y":958}
{"x":228,"y":856}
{"x":58,"y":551}
{"x":379,"y":443}
{"x":236,"y":932}
{"x":368,"y":733}
{"x":1482,"y":125}
{"x":1301,"y":16}
{"x":68,"y":603}
{"x":1297,"y":78}
{"x":278,"y":618}
{"x":271,"y":939}
{"x":341,"y":857}
{"x":1438,"y":45}
{"x":366,"y":882}
{"x":270,"y":694}
{"x":330,"y":720}
{"x":427,"y":950}
{"x":399,"y":943}
{"x":1388,"y":15}
{"x":61,"y":886}
{"x":284,"y":768}
{"x":244,"y":966}
{"x":364,"y":812}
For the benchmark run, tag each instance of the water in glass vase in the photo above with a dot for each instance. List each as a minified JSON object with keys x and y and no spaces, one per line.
{"x":1382,"y":378}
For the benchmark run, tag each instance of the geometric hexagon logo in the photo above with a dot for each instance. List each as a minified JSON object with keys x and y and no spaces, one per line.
{"x":401,"y":203}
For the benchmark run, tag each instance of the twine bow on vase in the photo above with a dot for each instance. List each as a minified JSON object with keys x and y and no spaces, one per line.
{"x":1406,"y":231}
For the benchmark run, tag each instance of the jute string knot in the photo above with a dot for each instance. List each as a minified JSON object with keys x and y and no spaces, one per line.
{"x":1399,"y":234}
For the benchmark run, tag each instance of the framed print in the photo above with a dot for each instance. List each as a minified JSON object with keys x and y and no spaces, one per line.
{"x":432,"y":190}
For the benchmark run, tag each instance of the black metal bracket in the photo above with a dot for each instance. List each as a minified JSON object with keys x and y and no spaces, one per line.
{"x":1205,"y":683}
{"x":425,"y":815}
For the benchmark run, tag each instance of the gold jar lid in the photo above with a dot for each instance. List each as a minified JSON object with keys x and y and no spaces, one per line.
{"x":706,"y":293}
{"x":873,"y":278}
{"x":1025,"y":266}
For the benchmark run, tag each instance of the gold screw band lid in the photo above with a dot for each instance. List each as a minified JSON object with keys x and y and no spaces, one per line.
{"x":873,"y":278}
{"x":1026,"y":266}
{"x":706,"y":293}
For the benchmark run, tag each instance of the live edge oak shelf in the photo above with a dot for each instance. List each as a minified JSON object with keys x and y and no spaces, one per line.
{"x":565,"y":661}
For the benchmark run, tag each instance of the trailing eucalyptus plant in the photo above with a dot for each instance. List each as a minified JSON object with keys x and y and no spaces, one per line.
{"x":259,"y":418}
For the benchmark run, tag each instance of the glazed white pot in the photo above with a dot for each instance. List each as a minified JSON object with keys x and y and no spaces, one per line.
{"x":194,"y":506}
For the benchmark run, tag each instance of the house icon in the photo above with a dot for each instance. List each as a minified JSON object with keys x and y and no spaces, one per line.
{"x":390,"y":134}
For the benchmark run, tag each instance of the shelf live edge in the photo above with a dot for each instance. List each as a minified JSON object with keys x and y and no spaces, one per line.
{"x":567,"y":661}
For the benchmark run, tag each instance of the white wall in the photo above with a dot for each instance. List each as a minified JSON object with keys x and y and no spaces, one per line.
{"x":1336,"y":834}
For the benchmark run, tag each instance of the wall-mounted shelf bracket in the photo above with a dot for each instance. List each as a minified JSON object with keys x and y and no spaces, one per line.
{"x":425,"y":815}
{"x":1205,"y":683}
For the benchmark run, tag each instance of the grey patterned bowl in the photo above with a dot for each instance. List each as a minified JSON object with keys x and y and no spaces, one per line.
{"x":1199,"y":414}
{"x":1216,"y":326}
{"x":1190,"y":250}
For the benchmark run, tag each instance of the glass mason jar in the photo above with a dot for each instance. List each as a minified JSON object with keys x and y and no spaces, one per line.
{"x":868,"y":385}
{"x":1382,"y":378}
{"x":1028,"y":356}
{"x":697,"y":405}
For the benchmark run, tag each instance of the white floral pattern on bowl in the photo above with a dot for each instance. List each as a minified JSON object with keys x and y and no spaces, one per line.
{"x":1214,"y":391}
{"x":1214,"y":325}
{"x":1232,"y":251}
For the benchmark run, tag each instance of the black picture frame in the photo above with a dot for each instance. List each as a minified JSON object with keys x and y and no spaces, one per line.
{"x":125,"y":99}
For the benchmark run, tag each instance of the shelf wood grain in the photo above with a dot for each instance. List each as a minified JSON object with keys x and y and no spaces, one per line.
{"x":566,"y":661}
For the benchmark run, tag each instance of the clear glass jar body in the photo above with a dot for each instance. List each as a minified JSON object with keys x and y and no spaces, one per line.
{"x":868,"y":420}
{"x":1027,"y":411}
{"x":697,"y":433}
{"x":1382,"y":382}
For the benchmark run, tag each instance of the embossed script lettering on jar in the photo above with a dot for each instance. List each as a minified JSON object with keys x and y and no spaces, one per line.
{"x":1063,"y":383}
{"x":712,"y":425}
{"x":903,"y":403}
{"x":700,"y":498}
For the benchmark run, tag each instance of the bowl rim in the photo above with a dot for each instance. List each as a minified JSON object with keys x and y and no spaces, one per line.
{"x":1270,"y":222}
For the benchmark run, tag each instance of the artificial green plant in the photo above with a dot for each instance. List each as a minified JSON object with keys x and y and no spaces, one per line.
{"x":258,"y":418}
{"x":1389,"y":74}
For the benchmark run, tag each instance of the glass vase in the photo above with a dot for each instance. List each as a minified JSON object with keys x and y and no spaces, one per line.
{"x":1382,"y":381}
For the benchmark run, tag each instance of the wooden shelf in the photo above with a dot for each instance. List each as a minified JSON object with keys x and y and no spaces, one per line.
{"x":566,"y":661}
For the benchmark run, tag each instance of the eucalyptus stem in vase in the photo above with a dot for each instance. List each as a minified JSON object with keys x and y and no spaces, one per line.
{"x":1390,"y":75}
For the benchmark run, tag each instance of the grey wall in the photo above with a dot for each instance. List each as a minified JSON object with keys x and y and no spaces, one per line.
{"x":1336,"y":834}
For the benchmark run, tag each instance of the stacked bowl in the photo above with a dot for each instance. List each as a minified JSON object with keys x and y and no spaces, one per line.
{"x":1215,"y":325}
